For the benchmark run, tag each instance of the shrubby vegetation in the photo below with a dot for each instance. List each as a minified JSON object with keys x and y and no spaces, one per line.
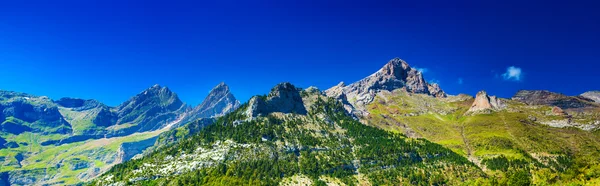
{"x":324,"y":143}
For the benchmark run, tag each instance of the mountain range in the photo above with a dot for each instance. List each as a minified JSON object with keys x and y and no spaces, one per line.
{"x":32,"y":125}
{"x":390,"y":128}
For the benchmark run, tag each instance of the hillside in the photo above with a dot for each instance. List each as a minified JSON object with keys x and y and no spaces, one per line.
{"x":279,"y":146}
{"x":549,"y":137}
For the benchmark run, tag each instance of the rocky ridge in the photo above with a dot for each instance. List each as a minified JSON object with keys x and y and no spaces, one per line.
{"x":396,"y":74}
{"x":544,"y":97}
{"x":218,"y":102}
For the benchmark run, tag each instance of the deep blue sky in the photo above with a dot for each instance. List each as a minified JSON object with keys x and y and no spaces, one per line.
{"x":111,"y":50}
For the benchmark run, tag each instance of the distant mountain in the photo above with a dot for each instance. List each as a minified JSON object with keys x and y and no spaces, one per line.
{"x":70,"y":140}
{"x":396,"y":74}
{"x":544,"y":97}
{"x":151,"y":109}
{"x":593,"y":95}
{"x":218,"y":102}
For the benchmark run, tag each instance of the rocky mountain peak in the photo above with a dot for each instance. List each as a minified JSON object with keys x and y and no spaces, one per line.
{"x":484,"y":102}
{"x":151,"y":109}
{"x":218,"y":102}
{"x":284,"y":97}
{"x":395,"y":74}
{"x":396,"y":67}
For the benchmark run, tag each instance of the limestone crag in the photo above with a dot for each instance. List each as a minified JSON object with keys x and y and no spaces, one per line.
{"x":485,"y":103}
{"x":396,"y":74}
{"x":557,"y":111}
{"x":284,"y":98}
{"x":218,"y":102}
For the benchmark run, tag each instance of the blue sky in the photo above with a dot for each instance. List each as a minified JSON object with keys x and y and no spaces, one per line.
{"x":112,"y":50}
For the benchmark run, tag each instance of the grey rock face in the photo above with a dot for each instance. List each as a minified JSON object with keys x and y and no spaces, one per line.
{"x":593,"y":95}
{"x":284,"y":98}
{"x":436,"y":91}
{"x":396,"y":74}
{"x":544,"y":97}
{"x":219,"y":101}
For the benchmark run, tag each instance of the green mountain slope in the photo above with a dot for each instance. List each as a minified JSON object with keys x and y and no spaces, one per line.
{"x":518,"y":138}
{"x":325,"y":145}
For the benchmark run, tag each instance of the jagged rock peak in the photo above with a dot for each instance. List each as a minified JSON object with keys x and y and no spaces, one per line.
{"x":436,"y":91}
{"x":151,"y":108}
{"x":282,"y":89}
{"x":483,"y":102}
{"x":218,"y":102}
{"x":395,"y":74}
{"x":284,"y":97}
{"x":395,"y":67}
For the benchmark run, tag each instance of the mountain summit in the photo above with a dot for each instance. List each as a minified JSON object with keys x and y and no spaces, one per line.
{"x":219,"y":101}
{"x":396,"y":74}
{"x":151,"y":109}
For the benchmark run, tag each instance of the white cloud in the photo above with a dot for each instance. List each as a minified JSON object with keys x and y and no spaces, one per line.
{"x":422,"y":70}
{"x":460,"y":81}
{"x":512,"y":74}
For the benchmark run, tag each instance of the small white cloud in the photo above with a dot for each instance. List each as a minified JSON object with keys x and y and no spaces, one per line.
{"x":422,"y":70}
{"x":460,"y":81}
{"x":512,"y":74}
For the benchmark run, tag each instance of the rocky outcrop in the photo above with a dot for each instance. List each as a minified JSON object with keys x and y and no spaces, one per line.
{"x":593,"y":95}
{"x":544,"y":97}
{"x":396,"y":74}
{"x":557,"y":111}
{"x":284,"y":98}
{"x":436,"y":91}
{"x":485,"y":103}
{"x":151,"y":109}
{"x":219,"y":102}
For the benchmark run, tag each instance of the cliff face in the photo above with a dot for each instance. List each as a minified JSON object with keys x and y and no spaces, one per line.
{"x":483,"y":102}
{"x":219,"y":101}
{"x":284,"y":98}
{"x":396,"y":74}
